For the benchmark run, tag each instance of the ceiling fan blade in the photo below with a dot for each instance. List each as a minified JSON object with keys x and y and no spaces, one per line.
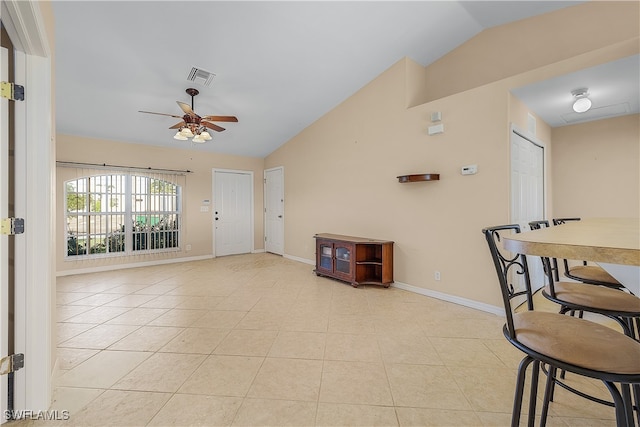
{"x":212,"y":126}
{"x":160,"y":114}
{"x":178,"y":125}
{"x":221,"y":118}
{"x":187,"y":109}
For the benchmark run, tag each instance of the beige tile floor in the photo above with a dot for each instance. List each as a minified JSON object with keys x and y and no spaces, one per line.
{"x":259,"y":340}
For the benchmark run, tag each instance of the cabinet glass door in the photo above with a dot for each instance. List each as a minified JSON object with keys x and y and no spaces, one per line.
{"x":343,"y":259}
{"x":326,"y":252}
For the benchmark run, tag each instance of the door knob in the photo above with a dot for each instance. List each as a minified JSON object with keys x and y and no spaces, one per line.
{"x":216,"y":218}
{"x":279,"y":216}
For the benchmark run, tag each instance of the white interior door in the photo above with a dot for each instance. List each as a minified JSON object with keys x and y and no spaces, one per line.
{"x":527,"y":191}
{"x":274,"y":210}
{"x":232,"y":212}
{"x":34,"y":200}
{"x":4,"y":240}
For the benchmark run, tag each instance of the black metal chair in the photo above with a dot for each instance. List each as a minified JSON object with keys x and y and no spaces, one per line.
{"x":537,"y":225}
{"x":604,"y":300}
{"x":622,"y":307}
{"x":619,"y":306}
{"x":561,"y":342}
{"x":591,"y":274}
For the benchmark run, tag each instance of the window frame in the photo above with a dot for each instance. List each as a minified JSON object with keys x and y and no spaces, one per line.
{"x":127,"y":228}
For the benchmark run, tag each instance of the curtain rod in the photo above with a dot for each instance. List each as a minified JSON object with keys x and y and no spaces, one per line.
{"x":106,"y":166}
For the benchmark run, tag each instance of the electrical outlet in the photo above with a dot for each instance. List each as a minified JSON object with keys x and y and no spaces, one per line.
{"x":436,"y":275}
{"x":188,"y":247}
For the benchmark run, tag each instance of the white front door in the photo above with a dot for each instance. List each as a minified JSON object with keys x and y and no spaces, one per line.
{"x":274,"y":210}
{"x":527,"y":191}
{"x":232,"y":212}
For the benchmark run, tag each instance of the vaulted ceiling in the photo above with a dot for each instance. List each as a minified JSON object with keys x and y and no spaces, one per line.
{"x":278,"y":66}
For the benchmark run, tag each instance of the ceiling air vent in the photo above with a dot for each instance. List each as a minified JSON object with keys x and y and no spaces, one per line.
{"x":200,"y":76}
{"x":597,"y":113}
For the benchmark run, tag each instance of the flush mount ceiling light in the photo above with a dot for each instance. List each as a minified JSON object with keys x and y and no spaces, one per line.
{"x":582,"y":102}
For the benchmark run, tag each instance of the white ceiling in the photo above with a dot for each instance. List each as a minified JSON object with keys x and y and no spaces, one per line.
{"x":614,"y":90}
{"x":279,"y":65}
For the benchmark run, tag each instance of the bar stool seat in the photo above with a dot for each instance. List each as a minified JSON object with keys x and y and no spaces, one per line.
{"x":577,"y":342}
{"x":592,"y":274}
{"x":596,"y":298}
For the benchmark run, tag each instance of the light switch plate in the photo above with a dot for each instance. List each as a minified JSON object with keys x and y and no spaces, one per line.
{"x":435,"y":129}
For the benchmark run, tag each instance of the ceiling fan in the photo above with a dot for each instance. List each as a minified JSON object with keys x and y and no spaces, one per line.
{"x":193,"y":125}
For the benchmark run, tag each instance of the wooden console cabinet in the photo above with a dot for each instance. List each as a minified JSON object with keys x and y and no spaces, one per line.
{"x":356,"y":260}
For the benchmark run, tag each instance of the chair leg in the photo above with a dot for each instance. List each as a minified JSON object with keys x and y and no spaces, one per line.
{"x":533,"y":395}
{"x":517,"y":399}
{"x":636,"y":394}
{"x":622,"y":418}
{"x":548,"y":391}
{"x":628,"y":404}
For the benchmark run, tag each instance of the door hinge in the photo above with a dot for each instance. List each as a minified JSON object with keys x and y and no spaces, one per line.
{"x":12,"y":363}
{"x":11,"y":226}
{"x":12,"y":91}
{"x":265,"y":238}
{"x":265,"y":180}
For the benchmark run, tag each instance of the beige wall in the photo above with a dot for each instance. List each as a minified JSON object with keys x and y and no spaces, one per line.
{"x":515,"y":48}
{"x":341,"y":178}
{"x":340,"y":172}
{"x":197,"y":230}
{"x":596,"y":168}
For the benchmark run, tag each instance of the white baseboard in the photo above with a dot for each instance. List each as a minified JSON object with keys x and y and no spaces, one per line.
{"x":258,"y":251}
{"x":499,"y":311}
{"x":303,"y":260}
{"x":132,"y":265}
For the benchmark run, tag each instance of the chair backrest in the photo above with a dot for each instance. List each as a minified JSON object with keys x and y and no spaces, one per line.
{"x":537,"y":225}
{"x":508,"y":266}
{"x":559,"y":221}
{"x":550,"y":267}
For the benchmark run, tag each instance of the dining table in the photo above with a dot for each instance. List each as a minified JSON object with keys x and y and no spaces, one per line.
{"x":612,"y":243}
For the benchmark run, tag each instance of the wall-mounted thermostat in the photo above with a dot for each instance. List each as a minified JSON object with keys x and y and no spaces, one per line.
{"x":469,"y":170}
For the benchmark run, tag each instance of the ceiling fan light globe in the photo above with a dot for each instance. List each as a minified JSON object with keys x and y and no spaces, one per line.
{"x":179,"y":136}
{"x":206,"y":136}
{"x":582,"y":105}
{"x":198,"y":139}
{"x":186,"y":132}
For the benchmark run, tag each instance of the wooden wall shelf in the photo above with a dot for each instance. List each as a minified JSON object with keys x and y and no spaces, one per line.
{"x":419,"y":177}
